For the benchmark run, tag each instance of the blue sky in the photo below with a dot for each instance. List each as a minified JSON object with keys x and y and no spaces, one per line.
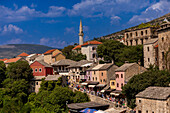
{"x":55,"y":23}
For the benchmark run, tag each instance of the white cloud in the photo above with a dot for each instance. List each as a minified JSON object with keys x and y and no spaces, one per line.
{"x":15,"y":41}
{"x":15,"y":6}
{"x":33,"y":5}
{"x":53,"y":42}
{"x":26,"y":13}
{"x":51,"y":21}
{"x":85,"y":28}
{"x":115,"y":19}
{"x":11,"y":29}
{"x":154,"y":11}
{"x":69,"y":30}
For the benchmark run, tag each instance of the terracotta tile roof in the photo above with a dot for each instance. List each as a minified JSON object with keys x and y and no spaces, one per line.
{"x":23,"y":54}
{"x":92,"y":43}
{"x":3,"y":59}
{"x":12,"y":60}
{"x":49,"y":51}
{"x":156,"y":46}
{"x":79,"y":46}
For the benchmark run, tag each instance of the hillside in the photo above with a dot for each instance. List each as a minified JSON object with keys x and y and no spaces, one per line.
{"x":156,"y":21}
{"x":12,"y":50}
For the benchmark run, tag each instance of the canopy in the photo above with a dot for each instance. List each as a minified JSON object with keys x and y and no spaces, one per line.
{"x":102,"y":91}
{"x":100,"y":85}
{"x":116,"y":94}
{"x":88,"y":110}
{"x":84,"y":83}
{"x":85,"y":65}
{"x":92,"y":86}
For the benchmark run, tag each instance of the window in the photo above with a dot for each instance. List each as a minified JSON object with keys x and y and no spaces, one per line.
{"x":104,"y":80}
{"x":148,"y":59}
{"x":94,"y":72}
{"x":141,"y":32}
{"x":117,"y":84}
{"x":146,"y":32}
{"x":101,"y":80}
{"x":121,"y":84}
{"x":113,"y":83}
{"x":117,"y":76}
{"x":102,"y":74}
{"x":139,"y":101}
{"x":148,"y":48}
{"x":37,"y":83}
{"x":94,"y":55}
{"x":139,"y":111}
{"x":89,"y":78}
{"x":136,"y":34}
{"x":93,"y":48}
{"x":162,"y":39}
{"x":146,"y":111}
{"x":127,"y":35}
{"x":40,"y":70}
{"x":162,"y":55}
{"x":96,"y":78}
{"x":121,"y":75}
{"x":141,"y":41}
{"x":36,"y":70}
{"x":136,"y":42}
{"x":73,"y":77}
{"x":131,"y":42}
{"x":152,"y":111}
{"x":130,"y":34}
{"x":127,"y":43}
{"x":93,"y":78}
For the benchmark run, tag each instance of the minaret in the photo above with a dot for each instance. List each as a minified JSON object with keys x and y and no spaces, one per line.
{"x":81,"y":34}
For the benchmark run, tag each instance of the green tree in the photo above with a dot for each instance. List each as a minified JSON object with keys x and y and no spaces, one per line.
{"x":67,"y":51}
{"x":19,"y":70}
{"x":2,"y":72}
{"x":140,"y":82}
{"x":78,"y":56}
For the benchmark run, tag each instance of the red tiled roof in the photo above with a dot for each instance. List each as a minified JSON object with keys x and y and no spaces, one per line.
{"x":3,"y":59}
{"x":92,"y":43}
{"x":49,"y":51}
{"x":12,"y":60}
{"x":23,"y":54}
{"x":156,"y":46}
{"x":79,"y":46}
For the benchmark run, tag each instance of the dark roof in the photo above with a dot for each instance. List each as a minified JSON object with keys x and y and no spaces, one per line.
{"x":43,"y":63}
{"x":90,"y":68}
{"x":79,"y":106}
{"x":124,"y":67}
{"x":106,"y":66}
{"x":78,"y":64}
{"x":151,"y":41}
{"x":153,"y":92}
{"x":64,"y":62}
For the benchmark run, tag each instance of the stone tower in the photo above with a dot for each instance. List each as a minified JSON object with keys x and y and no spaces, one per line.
{"x":81,"y":34}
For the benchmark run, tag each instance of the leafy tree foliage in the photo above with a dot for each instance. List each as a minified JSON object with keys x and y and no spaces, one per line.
{"x":67,"y":51}
{"x":78,"y":56}
{"x":119,"y":53}
{"x":19,"y":70}
{"x":140,"y":82}
{"x":2,"y":72}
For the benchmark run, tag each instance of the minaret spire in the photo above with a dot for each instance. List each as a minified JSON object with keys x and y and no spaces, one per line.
{"x":81,"y":34}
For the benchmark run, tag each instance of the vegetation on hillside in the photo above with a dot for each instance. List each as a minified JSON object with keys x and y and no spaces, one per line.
{"x":138,"y":83}
{"x":119,"y":53}
{"x":16,"y":98}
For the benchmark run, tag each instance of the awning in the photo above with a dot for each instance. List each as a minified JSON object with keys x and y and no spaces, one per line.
{"x":84,"y":83}
{"x":100,"y":85}
{"x":91,"y":86}
{"x":116,"y":94}
{"x":102,"y":91}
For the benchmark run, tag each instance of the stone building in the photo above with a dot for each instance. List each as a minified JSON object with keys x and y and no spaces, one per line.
{"x":126,"y":72}
{"x":139,"y":36}
{"x":150,"y":52}
{"x":164,"y":46}
{"x":153,"y":100}
{"x":53,"y":55}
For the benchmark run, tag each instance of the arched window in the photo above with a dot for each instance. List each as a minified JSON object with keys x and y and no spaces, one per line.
{"x":142,"y":33}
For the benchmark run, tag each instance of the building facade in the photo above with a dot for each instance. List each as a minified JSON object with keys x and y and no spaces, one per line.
{"x":126,"y":72}
{"x":150,"y":52}
{"x":139,"y":36}
{"x":164,"y":46}
{"x":153,"y":100}
{"x":53,"y":55}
